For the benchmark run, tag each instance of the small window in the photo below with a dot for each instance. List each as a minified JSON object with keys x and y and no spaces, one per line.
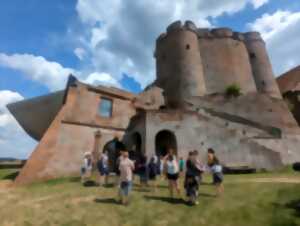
{"x":252,"y":55}
{"x":105,"y":107}
{"x":187,"y":46}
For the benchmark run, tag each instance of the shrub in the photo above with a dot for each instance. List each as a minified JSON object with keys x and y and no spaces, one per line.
{"x":233,"y":90}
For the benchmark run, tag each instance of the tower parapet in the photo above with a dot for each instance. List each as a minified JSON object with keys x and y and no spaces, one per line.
{"x":178,"y":63}
{"x":261,"y":65}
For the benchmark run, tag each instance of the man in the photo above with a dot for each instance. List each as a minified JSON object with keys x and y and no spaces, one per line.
{"x":126,"y":168}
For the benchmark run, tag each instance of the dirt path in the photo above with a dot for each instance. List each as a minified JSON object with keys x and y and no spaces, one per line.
{"x":287,"y":180}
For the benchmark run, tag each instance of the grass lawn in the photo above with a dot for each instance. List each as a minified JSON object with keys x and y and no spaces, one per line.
{"x":258,"y":199}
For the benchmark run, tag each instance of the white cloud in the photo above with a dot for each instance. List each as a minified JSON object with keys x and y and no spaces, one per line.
{"x":121,"y":34}
{"x":258,"y":3}
{"x":80,"y":53}
{"x":13,"y":140}
{"x":280,"y":31}
{"x":37,"y":68}
{"x":102,"y":79}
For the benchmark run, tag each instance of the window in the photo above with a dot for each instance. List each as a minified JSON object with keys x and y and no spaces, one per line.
{"x":105,"y":107}
{"x":252,"y":55}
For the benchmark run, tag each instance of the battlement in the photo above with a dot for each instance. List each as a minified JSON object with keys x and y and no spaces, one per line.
{"x":207,"y":33}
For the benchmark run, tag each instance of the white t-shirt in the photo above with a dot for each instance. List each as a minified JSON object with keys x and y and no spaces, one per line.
{"x":126,"y":167}
{"x":172,"y":167}
{"x":87,"y":163}
{"x":104,"y":159}
{"x":216,"y":169}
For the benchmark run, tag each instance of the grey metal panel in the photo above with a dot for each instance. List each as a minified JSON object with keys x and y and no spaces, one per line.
{"x":35,"y":115}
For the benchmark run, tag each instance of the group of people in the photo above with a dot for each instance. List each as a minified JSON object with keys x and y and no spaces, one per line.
{"x":158,"y":167}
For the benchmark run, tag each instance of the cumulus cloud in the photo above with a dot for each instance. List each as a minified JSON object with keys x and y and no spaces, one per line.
{"x":13,"y":140}
{"x":38,"y":69}
{"x":121,"y":34}
{"x":50,"y":73}
{"x":102,"y":79}
{"x":80,"y":53}
{"x":280,"y":31}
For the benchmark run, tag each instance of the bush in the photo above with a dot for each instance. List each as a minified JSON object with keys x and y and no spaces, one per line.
{"x":233,"y":90}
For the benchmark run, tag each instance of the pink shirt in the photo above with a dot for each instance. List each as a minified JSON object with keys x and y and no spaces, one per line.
{"x":126,"y":167}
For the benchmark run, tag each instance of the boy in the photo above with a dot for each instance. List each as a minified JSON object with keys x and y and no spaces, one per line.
{"x":126,"y":168}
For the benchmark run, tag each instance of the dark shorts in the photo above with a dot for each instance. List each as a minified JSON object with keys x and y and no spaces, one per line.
{"x":217,"y":178}
{"x":173,"y":176}
{"x":104,"y":171}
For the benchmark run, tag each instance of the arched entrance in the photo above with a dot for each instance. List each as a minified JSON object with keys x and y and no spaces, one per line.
{"x":113,"y":154}
{"x":136,"y":148}
{"x":164,"y":140}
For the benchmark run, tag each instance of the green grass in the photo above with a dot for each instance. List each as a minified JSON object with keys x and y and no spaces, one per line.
{"x":65,"y":202}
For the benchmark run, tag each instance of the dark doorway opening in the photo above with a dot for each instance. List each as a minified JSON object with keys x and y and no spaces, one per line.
{"x":113,"y":153}
{"x":164,"y":140}
{"x":136,"y":149}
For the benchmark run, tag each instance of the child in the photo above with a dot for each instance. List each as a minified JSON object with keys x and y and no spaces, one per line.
{"x":216,"y":170}
{"x":142,"y":171}
{"x":86,"y":169}
{"x":181,"y":165}
{"x":152,"y":171}
{"x":103,"y":168}
{"x":193,"y":177}
{"x":126,"y":168}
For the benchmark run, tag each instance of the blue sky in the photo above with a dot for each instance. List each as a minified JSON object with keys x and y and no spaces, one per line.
{"x":111,"y":42}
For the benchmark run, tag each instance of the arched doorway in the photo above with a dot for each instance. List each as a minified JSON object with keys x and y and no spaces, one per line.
{"x":113,"y":153}
{"x":164,"y":140}
{"x":136,"y":147}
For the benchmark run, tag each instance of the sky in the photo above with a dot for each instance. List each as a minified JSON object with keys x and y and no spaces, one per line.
{"x":111,"y":42}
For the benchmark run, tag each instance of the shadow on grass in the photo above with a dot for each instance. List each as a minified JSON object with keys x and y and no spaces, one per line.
{"x":207,"y":195}
{"x":295,"y":205}
{"x":165,"y":199}
{"x":281,"y":219}
{"x":11,"y":176}
{"x":107,"y":201}
{"x":137,"y":189}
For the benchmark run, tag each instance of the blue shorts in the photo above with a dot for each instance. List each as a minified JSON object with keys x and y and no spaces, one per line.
{"x":104,"y":171}
{"x":125,"y":188}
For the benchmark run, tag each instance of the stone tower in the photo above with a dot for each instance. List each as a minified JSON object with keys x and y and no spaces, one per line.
{"x":178,"y":63}
{"x":261,"y":66}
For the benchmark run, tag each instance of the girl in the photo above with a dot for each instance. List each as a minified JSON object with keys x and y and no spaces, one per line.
{"x":172,"y":172}
{"x":103,"y":168}
{"x":86,"y":169}
{"x":217,"y":171}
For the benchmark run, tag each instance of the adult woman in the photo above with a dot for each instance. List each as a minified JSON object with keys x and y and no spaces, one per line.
{"x":172,"y":170}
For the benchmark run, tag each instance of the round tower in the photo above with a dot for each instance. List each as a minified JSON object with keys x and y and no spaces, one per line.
{"x":261,"y":65}
{"x":178,"y":63}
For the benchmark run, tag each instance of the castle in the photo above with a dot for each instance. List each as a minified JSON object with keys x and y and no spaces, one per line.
{"x":185,"y":108}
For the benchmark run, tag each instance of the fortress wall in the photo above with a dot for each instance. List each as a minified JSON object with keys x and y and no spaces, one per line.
{"x":179,"y":66}
{"x":261,"y":66}
{"x":225,"y":61}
